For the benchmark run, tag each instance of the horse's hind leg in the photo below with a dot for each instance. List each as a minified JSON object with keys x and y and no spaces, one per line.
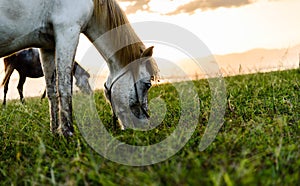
{"x":5,"y":91}
{"x":49,"y":72}
{"x":66,"y":43}
{"x":20,"y":87}
{"x":8,"y":71}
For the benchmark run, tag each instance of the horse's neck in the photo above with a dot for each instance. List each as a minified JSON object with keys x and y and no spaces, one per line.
{"x":112,"y":35}
{"x":109,"y":42}
{"x":94,"y":34}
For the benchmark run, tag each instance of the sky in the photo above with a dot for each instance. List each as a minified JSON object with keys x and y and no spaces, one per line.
{"x":226,"y":26}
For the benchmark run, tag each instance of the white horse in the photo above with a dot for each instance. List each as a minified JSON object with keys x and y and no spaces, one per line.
{"x":54,"y":26}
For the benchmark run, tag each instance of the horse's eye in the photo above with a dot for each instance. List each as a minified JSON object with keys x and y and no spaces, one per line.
{"x":148,"y":85}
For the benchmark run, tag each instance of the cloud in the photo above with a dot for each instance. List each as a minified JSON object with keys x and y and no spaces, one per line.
{"x":190,"y":7}
{"x":194,"y":5}
{"x":135,"y":5}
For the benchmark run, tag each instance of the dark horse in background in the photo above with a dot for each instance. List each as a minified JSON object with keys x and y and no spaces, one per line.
{"x":28,"y":64}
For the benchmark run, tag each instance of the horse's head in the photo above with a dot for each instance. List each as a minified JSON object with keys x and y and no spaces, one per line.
{"x":128,"y":91}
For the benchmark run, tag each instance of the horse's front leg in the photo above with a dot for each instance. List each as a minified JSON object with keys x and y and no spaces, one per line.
{"x":66,"y":44}
{"x":48,"y":65}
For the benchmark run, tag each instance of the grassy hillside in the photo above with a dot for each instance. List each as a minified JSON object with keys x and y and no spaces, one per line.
{"x":259,"y":143}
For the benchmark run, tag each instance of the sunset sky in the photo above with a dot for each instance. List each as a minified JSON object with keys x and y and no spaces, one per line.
{"x":226,"y":26}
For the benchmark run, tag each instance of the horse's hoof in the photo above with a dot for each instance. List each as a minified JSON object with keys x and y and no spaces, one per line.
{"x":67,"y":133}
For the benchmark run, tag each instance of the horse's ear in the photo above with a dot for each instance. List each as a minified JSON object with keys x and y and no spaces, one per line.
{"x":148,"y":52}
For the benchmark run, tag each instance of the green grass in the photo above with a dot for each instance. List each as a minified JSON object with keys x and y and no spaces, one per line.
{"x":259,"y":143}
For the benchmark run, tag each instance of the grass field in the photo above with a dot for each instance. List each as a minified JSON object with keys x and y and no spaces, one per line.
{"x":259,"y":143}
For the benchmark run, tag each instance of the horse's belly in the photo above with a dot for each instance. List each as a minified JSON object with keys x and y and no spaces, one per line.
{"x":36,"y":75}
{"x":12,"y":41}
